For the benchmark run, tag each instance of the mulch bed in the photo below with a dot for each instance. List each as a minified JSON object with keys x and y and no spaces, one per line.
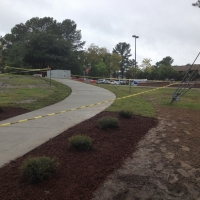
{"x":9,"y":112}
{"x":80,"y":173}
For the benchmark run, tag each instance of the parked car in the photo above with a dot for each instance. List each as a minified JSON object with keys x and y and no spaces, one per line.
{"x":116,"y":82}
{"x":107,"y":82}
{"x":92,"y":81}
{"x":81,"y":79}
{"x":122,"y":82}
{"x":100,"y":81}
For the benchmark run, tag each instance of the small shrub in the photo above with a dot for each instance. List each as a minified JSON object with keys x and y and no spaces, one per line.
{"x":108,"y":122}
{"x":1,"y":109}
{"x":125,"y":114}
{"x":80,"y":142}
{"x":37,"y":169}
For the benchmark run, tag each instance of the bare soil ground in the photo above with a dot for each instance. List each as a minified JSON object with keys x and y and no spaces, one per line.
{"x":146,"y":158}
{"x":166,"y":164}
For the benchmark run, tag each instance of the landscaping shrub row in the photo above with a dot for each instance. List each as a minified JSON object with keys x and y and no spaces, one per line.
{"x":38,"y":169}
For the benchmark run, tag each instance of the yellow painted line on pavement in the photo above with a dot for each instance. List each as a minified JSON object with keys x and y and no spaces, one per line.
{"x":23,"y":120}
{"x":63,"y":111}
{"x":7,"y":124}
{"x":51,"y":114}
{"x":38,"y":117}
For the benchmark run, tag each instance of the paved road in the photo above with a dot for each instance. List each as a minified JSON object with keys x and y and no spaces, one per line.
{"x":18,"y":139}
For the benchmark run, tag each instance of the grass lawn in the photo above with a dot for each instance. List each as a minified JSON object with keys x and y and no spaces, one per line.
{"x":141,"y":104}
{"x":30,"y":92}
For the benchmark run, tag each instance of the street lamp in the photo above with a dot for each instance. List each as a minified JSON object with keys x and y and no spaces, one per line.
{"x":135,"y":53}
{"x":109,"y":65}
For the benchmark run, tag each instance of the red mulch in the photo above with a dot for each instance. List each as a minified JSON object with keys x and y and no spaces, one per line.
{"x":9,"y":112}
{"x":80,"y":173}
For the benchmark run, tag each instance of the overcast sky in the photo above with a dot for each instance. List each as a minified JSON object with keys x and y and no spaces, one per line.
{"x":165,"y":27}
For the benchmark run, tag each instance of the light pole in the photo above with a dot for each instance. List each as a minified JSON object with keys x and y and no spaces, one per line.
{"x":135,"y":53}
{"x":109,"y":65}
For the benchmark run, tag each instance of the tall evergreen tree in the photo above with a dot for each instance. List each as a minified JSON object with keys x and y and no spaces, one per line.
{"x":71,"y":34}
{"x":123,"y":49}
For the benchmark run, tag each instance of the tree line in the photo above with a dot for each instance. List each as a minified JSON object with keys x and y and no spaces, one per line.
{"x":43,"y":42}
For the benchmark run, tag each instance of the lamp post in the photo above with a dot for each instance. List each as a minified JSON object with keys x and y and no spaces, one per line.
{"x":109,"y":65}
{"x":135,"y":53}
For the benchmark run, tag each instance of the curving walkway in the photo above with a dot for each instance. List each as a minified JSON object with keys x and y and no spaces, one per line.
{"x":18,"y":139}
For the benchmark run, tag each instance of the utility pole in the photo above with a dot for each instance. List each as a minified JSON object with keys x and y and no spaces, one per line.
{"x":135,"y":54}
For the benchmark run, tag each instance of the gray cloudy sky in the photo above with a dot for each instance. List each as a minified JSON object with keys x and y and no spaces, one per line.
{"x":165,"y":27}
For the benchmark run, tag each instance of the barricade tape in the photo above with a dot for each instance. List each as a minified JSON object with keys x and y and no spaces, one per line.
{"x":90,"y":77}
{"x":121,"y":79}
{"x":95,"y":77}
{"x":31,"y":70}
{"x":82,"y":107}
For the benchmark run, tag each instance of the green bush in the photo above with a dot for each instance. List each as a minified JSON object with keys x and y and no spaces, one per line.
{"x":125,"y":114}
{"x":80,"y":142}
{"x":108,"y":122}
{"x":37,"y":169}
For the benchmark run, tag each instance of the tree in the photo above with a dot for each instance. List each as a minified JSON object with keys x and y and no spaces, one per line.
{"x":123,"y":49}
{"x":1,"y":62}
{"x":167,"y":61}
{"x":97,"y":58}
{"x":71,"y":34}
{"x":1,"y":50}
{"x":46,"y":24}
{"x":44,"y":50}
{"x":41,"y":42}
{"x":167,"y":72}
{"x":102,"y":69}
{"x":146,"y":64}
{"x":132,"y":69}
{"x":197,"y":4}
{"x":99,"y":61}
{"x":114,"y":60}
{"x":92,"y":57}
{"x":130,"y":73}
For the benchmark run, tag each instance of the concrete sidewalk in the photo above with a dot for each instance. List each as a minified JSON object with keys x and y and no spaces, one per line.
{"x":18,"y":139}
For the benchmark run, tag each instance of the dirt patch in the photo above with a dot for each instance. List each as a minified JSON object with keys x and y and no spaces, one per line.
{"x":166,"y":164}
{"x":3,"y":85}
{"x":80,"y":173}
{"x":25,"y":101}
